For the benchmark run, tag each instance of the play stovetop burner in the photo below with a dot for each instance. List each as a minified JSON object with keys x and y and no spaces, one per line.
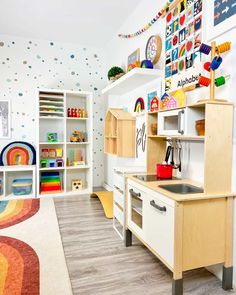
{"x":149,"y":178}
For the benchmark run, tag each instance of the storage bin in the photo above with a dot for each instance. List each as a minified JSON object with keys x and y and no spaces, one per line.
{"x":22,"y":187}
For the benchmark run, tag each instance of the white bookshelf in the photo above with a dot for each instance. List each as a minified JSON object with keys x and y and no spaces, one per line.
{"x":9,"y":173}
{"x":55,"y":120}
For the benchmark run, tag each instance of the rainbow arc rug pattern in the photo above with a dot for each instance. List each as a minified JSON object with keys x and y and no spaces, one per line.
{"x":32,"y":260}
{"x":15,"y":211}
{"x":19,"y":268}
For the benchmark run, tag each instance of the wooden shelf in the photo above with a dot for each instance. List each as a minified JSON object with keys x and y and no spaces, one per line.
{"x":132,"y":80}
{"x":180,"y":137}
{"x":111,"y":137}
{"x":78,"y":167}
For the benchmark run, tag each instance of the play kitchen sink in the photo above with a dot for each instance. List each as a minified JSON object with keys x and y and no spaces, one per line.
{"x":182,"y":188}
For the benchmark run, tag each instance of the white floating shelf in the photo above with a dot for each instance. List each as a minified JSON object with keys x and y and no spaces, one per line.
{"x":132,"y":80}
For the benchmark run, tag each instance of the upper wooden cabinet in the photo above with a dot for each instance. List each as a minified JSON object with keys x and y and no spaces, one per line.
{"x":119,"y":133}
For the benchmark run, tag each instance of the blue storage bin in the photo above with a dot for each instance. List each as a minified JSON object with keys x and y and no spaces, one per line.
{"x":21,"y":187}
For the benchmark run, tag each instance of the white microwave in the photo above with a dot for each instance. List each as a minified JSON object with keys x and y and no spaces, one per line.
{"x":172,"y":122}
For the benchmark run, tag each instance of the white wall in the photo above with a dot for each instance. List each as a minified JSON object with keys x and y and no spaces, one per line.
{"x":118,"y":51}
{"x":27,"y":64}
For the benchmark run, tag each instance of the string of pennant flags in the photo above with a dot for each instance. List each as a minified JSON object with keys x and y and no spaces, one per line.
{"x":148,"y":25}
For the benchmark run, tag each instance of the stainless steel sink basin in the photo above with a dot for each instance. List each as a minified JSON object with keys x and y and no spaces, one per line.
{"x":182,"y":188}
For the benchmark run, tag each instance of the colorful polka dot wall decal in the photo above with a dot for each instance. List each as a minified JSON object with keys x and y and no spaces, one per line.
{"x":47,"y":65}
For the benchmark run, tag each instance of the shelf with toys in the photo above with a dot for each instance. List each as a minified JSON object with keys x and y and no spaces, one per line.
{"x":132,"y":80}
{"x":64,"y":143}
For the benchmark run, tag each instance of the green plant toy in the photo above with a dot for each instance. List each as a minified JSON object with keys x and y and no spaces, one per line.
{"x":115,"y":73}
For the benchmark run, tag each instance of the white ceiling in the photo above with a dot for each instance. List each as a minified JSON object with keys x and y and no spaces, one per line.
{"x":86,"y":22}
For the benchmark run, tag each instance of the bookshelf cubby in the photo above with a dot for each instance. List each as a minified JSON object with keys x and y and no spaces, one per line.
{"x":70,"y":155}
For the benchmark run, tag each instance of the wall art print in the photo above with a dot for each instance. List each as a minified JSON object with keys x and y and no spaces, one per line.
{"x":5,"y":113}
{"x":183,"y":38}
{"x":221,"y":19}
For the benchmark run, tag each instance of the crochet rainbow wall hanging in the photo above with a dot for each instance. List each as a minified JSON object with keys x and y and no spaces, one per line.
{"x":139,"y":105}
{"x":18,"y":153}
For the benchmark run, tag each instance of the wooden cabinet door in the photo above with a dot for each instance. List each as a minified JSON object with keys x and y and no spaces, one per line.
{"x":159,"y":227}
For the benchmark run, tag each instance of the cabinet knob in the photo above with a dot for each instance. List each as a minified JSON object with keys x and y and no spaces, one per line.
{"x":162,"y":209}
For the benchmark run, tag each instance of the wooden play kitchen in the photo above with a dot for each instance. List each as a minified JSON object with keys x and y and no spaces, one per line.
{"x":185,"y":224}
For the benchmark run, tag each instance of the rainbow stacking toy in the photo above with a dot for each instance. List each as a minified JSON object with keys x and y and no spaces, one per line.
{"x":50,"y":182}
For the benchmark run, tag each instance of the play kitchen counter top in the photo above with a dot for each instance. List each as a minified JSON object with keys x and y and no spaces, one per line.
{"x":155,"y":186}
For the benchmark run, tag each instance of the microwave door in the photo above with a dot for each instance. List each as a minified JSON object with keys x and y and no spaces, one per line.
{"x":171,"y":122}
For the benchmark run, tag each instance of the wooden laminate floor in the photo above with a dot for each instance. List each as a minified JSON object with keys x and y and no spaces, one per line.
{"x":99,"y":264}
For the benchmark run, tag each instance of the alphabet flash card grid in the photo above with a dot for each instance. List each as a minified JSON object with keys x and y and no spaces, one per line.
{"x":183,"y":38}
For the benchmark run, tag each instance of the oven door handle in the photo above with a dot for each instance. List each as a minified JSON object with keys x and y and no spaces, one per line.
{"x":180,"y":131}
{"x":134,"y":194}
{"x":153,"y":204}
